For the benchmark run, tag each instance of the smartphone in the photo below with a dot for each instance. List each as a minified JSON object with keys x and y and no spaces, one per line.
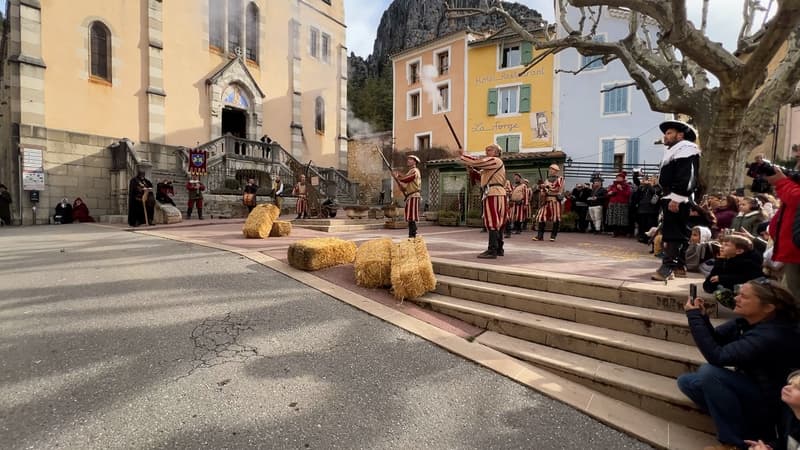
{"x":692,"y":293}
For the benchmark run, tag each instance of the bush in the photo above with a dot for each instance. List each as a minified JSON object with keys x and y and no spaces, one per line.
{"x":569,"y":221}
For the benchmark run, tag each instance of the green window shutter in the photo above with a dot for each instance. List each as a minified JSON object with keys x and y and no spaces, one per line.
{"x":527,"y":52}
{"x":492,"y":102}
{"x":513,"y":144}
{"x":525,"y":98}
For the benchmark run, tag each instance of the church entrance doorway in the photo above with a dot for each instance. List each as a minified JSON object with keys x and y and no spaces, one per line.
{"x":234,"y":121}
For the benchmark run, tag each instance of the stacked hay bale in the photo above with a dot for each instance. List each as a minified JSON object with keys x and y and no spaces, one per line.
{"x":259,"y":222}
{"x":280,"y":228}
{"x":412,"y":271}
{"x":373,"y":264}
{"x":320,"y":253}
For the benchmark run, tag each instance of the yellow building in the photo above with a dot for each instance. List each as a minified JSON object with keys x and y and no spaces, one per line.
{"x":80,"y":76}
{"x":506,"y":104}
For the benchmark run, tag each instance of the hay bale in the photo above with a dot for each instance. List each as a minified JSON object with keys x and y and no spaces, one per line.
{"x":373,"y":264}
{"x":412,"y":271}
{"x":319,"y":253}
{"x":280,"y":228}
{"x":259,"y":222}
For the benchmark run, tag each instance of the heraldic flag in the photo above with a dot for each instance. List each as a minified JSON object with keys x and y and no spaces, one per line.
{"x":198,"y":160}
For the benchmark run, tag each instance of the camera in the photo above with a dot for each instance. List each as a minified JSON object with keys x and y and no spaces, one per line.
{"x":767,"y":169}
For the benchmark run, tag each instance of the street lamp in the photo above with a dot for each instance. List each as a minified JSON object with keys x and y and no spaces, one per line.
{"x":569,"y":161}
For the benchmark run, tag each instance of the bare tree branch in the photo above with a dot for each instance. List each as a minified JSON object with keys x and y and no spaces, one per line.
{"x":776,"y":32}
{"x":704,"y":20}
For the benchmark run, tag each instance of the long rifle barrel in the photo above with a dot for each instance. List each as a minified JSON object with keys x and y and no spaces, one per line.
{"x":452,"y":131}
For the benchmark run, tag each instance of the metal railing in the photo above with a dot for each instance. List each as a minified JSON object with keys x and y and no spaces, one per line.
{"x":606,"y":171}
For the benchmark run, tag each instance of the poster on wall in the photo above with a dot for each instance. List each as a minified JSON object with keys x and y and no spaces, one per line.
{"x":540,"y":126}
{"x":32,"y":169}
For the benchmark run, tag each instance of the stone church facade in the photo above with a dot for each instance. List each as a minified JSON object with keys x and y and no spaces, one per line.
{"x":80,"y":79}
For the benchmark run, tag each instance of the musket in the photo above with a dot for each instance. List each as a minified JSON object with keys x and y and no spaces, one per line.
{"x":388,"y":166}
{"x":470,"y":170}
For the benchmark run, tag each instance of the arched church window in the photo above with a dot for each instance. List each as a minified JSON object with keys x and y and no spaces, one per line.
{"x":216,"y":24}
{"x":100,"y":51}
{"x":252,"y":32}
{"x":234,"y":24}
{"x":319,"y":122}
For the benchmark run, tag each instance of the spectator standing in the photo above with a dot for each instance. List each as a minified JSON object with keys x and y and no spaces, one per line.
{"x":760,"y":183}
{"x":5,"y":206}
{"x":619,"y":201}
{"x":644,"y":203}
{"x":580,"y":199}
{"x":785,"y":227}
{"x":596,"y":202}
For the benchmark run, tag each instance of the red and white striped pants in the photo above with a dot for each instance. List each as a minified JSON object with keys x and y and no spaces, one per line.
{"x":412,"y":209}
{"x":494,"y":211}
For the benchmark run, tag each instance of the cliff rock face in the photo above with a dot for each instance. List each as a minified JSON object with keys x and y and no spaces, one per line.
{"x":408,"y":23}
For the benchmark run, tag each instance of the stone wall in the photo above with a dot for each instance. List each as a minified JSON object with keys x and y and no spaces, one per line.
{"x":364,"y":165}
{"x":230,"y":205}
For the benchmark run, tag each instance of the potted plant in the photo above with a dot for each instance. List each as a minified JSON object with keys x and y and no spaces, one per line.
{"x":448,"y":218}
{"x":356,"y":211}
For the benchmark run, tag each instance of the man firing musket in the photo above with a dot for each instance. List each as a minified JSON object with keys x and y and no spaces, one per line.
{"x":410,"y":184}
{"x":493,"y":183}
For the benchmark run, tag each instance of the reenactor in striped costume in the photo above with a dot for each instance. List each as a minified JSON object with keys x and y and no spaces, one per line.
{"x":526,"y":214}
{"x":550,"y":211}
{"x":301,"y":191}
{"x":410,"y":184}
{"x":518,"y":197}
{"x":509,"y":211}
{"x":493,"y":182}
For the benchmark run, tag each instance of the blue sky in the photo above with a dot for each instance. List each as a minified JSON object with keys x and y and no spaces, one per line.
{"x":363,"y":16}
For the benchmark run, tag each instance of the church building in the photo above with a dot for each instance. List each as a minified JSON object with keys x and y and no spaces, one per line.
{"x":94,"y":90}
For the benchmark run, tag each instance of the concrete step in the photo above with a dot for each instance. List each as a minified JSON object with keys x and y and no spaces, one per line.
{"x":654,"y":323}
{"x":644,"y":295}
{"x":655,"y":394}
{"x":630,"y":350}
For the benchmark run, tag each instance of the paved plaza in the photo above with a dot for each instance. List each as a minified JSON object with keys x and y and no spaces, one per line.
{"x":114,"y":339}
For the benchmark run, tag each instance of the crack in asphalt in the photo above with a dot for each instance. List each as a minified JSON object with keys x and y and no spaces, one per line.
{"x":216,"y":342}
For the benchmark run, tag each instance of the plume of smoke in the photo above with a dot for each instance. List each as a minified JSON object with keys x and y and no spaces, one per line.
{"x":356,"y":125}
{"x":427,"y":76}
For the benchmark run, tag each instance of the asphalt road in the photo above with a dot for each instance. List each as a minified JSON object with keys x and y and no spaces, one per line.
{"x":111,"y":339}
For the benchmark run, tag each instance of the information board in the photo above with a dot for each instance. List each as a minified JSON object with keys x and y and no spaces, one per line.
{"x":32,"y":169}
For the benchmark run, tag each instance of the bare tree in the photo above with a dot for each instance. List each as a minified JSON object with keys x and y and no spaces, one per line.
{"x":670,"y":60}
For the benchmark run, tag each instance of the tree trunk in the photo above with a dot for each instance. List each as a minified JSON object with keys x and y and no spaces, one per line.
{"x":723,"y":155}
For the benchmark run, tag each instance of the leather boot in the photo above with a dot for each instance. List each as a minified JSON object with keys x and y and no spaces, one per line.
{"x":507,"y":230}
{"x":189,"y":213}
{"x":200,"y":213}
{"x":540,"y":233}
{"x":554,"y":233}
{"x":500,"y":242}
{"x":412,"y":229}
{"x":525,"y":225}
{"x":517,"y":227}
{"x":491,"y":252}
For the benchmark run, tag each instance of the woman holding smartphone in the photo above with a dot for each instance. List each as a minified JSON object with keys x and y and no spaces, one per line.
{"x":762,"y":346}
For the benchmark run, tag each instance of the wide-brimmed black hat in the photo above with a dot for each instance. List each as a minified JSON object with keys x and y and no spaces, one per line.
{"x":689,"y":133}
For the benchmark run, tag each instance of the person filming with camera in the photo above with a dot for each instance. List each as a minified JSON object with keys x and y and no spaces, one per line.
{"x":785,"y":224}
{"x":748,"y":359}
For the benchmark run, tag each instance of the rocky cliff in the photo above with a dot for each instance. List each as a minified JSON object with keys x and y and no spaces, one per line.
{"x":406,"y":24}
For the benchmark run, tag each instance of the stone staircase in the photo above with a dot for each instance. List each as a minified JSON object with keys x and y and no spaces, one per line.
{"x":624,"y":341}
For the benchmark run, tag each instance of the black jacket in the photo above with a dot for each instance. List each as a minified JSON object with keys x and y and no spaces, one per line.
{"x":732,"y":271}
{"x":680,"y":176}
{"x":581,"y":196}
{"x":600,"y":195}
{"x":766,"y":352}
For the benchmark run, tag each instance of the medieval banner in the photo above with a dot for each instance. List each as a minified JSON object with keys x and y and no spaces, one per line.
{"x":198,"y":160}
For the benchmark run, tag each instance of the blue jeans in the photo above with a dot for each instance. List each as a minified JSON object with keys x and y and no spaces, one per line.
{"x":733,"y":400}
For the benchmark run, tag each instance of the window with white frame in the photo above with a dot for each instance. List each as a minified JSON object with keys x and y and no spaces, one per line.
{"x":422,"y":141}
{"x":313,"y":42}
{"x":510,"y":56}
{"x":412,"y":71}
{"x":508,"y":100}
{"x":443,"y":104}
{"x":593,"y":62}
{"x":325,"y":47}
{"x":413,"y":106}
{"x":443,"y":62}
{"x":615,"y":99}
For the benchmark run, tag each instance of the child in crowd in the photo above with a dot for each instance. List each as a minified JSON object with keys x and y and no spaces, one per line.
{"x":699,"y":249}
{"x":737,"y":263}
{"x":749,"y":217}
{"x":790,"y":429}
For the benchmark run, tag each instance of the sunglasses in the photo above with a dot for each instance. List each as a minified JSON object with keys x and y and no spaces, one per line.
{"x":761,"y":281}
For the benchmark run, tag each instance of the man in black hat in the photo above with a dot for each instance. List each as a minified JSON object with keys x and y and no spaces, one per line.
{"x":678,"y":179}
